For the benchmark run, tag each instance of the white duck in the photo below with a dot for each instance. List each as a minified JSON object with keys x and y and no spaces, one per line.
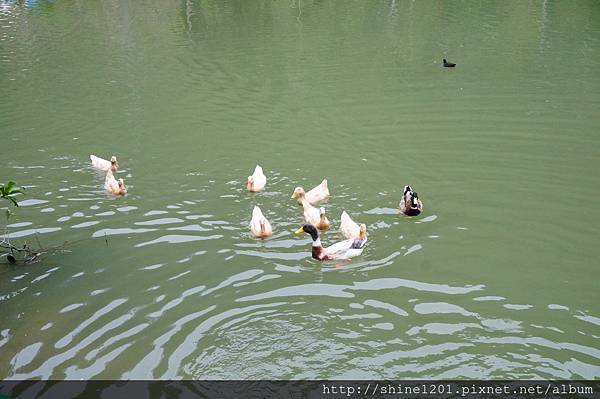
{"x":114,"y":186}
{"x":314,"y":196}
{"x":103,"y":164}
{"x":315,"y":216}
{"x":257,"y":181}
{"x":259,"y":225}
{"x":350,"y":229}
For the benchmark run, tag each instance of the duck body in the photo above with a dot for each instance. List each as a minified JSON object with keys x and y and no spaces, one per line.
{"x":350,"y":229}
{"x":257,"y":181}
{"x":340,"y":250}
{"x":448,"y":64}
{"x":317,"y":194}
{"x":114,"y":186}
{"x":410,"y":203}
{"x":103,"y":164}
{"x":259,"y":225}
{"x":315,"y":216}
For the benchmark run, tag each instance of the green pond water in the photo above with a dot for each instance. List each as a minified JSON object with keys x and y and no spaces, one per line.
{"x":498,"y":278}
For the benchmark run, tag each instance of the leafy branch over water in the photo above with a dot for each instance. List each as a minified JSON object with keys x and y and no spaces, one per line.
{"x":8,"y":192}
{"x":26,"y":253}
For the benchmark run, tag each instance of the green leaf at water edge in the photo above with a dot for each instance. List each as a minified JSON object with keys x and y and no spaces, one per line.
{"x":9,"y":187}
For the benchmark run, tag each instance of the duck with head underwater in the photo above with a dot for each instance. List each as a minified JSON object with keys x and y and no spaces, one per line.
{"x":257,"y":181}
{"x":315,"y":216}
{"x":340,"y":250}
{"x":114,"y":186}
{"x":259,"y":225}
{"x":410,"y":203}
{"x":350,"y":229}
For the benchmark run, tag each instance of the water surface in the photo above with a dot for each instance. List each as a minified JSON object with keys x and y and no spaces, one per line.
{"x":497,"y":279}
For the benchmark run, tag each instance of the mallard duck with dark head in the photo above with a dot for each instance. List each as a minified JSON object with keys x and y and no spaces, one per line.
{"x":410,"y":204}
{"x":340,"y":250}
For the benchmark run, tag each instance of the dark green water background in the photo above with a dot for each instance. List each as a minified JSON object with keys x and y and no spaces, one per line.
{"x":498,"y":278}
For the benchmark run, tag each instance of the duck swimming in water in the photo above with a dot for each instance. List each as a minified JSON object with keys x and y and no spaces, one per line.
{"x":257,"y":181}
{"x":314,"y":196}
{"x":315,"y":216}
{"x":114,"y":186}
{"x":103,"y":164}
{"x":448,"y":64}
{"x":259,"y":225}
{"x":340,"y":250}
{"x":410,"y":204}
{"x":350,"y":229}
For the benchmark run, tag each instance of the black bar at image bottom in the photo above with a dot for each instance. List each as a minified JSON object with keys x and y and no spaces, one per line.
{"x":297,"y":389}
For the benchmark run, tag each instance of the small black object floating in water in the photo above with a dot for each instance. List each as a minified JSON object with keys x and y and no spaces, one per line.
{"x":448,"y":64}
{"x":11,"y":259}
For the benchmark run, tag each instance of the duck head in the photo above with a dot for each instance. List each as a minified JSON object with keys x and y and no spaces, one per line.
{"x":250,"y":182}
{"x":114,"y":164}
{"x":298,"y":191}
{"x":414,"y":198}
{"x":309,"y":229}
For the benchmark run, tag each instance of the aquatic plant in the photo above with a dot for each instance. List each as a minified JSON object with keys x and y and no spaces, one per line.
{"x":22,"y":253}
{"x":8,"y":192}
